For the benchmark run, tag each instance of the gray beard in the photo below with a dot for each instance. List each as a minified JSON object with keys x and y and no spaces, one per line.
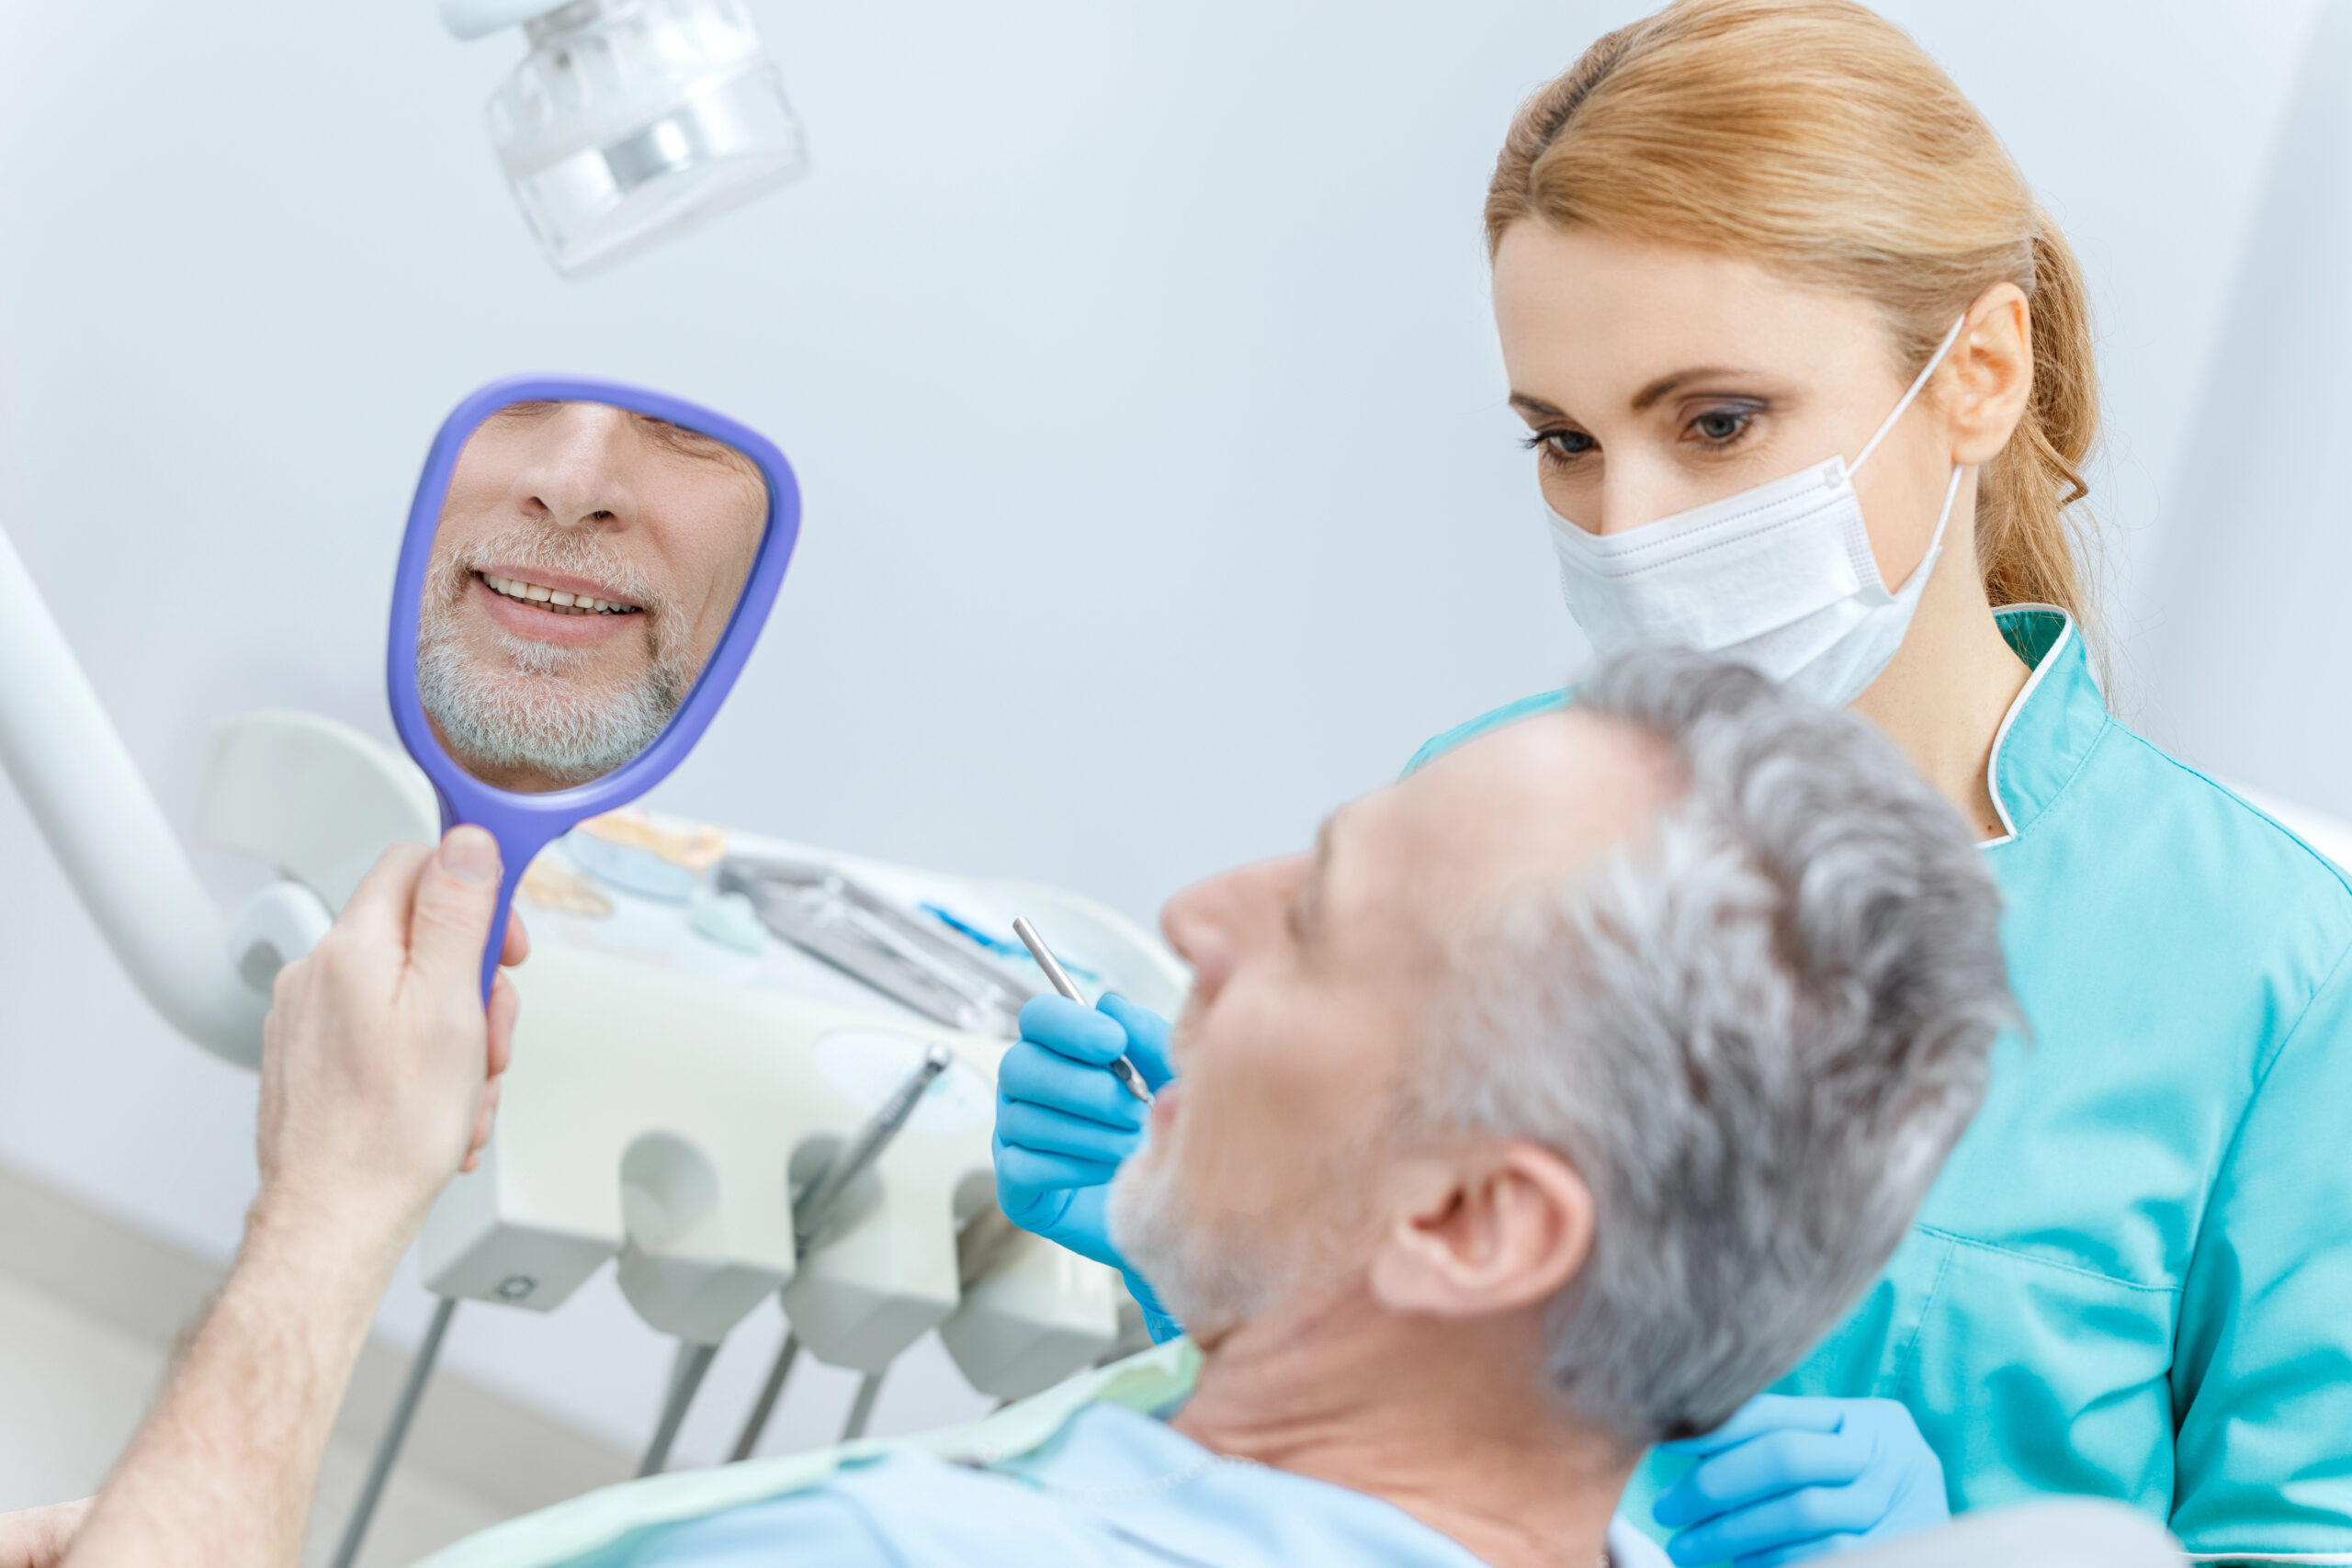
{"x":532,"y":718}
{"x":1209,"y":1282}
{"x":533,"y":714}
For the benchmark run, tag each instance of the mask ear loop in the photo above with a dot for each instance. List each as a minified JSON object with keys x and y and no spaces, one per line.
{"x":1936,"y":545}
{"x":1917,"y":382}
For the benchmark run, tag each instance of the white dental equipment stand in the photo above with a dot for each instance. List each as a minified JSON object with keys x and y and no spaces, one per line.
{"x":664,"y":1095}
{"x":87,"y":798}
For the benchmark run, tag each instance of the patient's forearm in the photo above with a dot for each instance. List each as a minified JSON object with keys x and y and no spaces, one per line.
{"x":222,"y":1470}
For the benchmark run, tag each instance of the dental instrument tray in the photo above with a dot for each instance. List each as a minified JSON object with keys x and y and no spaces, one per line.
{"x":938,"y":974}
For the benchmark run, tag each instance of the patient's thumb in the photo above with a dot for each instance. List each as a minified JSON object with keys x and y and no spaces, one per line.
{"x":457,"y":893}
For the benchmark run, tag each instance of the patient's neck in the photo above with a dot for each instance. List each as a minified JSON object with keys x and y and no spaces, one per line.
{"x":1445,"y":1421}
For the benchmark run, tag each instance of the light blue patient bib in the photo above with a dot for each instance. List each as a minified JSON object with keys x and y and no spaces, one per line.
{"x":1082,"y":1475}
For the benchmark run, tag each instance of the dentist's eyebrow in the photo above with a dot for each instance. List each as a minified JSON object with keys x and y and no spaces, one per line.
{"x":1646,"y":397}
{"x":1664,"y":385}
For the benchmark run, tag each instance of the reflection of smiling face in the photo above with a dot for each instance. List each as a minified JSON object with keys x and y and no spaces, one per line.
{"x":587,"y":562}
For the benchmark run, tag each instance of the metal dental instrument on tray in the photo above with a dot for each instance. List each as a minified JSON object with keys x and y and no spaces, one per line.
{"x":944,"y":976}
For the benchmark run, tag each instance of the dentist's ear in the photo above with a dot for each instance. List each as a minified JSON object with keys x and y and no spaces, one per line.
{"x":1502,"y":1228}
{"x":1987,"y":379}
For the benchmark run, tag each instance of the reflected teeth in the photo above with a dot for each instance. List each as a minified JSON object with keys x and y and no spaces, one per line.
{"x":554,"y":598}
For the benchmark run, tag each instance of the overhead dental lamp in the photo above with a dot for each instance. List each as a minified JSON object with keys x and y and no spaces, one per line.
{"x":632,"y":121}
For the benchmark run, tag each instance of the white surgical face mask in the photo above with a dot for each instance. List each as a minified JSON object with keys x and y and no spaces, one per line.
{"x":1781,"y":577}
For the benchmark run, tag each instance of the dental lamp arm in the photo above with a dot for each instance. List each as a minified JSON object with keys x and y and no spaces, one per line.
{"x":87,"y":796}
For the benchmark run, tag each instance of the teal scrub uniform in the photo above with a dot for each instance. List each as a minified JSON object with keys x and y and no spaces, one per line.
{"x":2133,"y":1278}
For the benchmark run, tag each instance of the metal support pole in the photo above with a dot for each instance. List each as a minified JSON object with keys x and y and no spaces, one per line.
{"x":770,"y":1391}
{"x":861,"y":1409}
{"x":686,"y":1376}
{"x":387,"y":1447}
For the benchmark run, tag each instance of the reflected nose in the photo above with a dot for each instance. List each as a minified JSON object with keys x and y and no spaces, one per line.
{"x":576,"y":476}
{"x":1215,"y":925}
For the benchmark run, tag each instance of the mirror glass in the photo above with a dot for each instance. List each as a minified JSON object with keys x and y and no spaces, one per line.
{"x":587,"y":561}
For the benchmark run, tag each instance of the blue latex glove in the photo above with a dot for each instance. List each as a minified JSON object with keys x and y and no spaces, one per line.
{"x":1064,"y":1125}
{"x":1787,"y":1479}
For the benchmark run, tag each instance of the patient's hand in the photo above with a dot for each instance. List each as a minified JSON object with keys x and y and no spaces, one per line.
{"x":36,"y":1538}
{"x":380,"y":1064}
{"x":378,"y":1071}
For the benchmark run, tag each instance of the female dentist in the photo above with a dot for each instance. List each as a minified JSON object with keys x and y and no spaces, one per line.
{"x":1808,"y":374}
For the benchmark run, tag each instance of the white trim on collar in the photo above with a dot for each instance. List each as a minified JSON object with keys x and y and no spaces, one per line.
{"x":2001,"y":736}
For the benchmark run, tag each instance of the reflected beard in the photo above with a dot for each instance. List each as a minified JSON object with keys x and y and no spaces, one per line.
{"x":1211,"y":1279}
{"x":540,"y":710}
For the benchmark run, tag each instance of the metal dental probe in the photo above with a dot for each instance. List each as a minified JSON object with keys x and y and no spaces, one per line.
{"x":809,"y":1213}
{"x":861,"y":1409}
{"x":1121,"y":1068}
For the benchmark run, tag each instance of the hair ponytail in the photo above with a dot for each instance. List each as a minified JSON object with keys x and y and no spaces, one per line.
{"x":2023,"y":542}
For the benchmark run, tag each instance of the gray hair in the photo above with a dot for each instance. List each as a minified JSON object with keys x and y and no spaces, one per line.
{"x":1756,"y":1033}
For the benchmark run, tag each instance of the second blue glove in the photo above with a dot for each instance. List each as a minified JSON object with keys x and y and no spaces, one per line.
{"x":1788,"y":1479}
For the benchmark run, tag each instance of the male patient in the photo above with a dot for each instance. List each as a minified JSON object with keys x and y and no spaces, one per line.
{"x":1553,"y":1106}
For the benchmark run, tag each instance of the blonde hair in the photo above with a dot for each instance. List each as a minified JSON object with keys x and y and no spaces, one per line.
{"x":1814,"y":138}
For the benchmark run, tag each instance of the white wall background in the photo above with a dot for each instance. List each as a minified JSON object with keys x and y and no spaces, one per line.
{"x":2248,"y":643}
{"x":1135,"y":362}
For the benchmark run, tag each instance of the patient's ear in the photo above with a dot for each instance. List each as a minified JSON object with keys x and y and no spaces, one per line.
{"x":1482,"y":1232}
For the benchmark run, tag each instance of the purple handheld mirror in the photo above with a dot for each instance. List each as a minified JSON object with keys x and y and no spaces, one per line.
{"x":586,"y":567}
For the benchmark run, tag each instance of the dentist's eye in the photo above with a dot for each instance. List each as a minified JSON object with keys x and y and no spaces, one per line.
{"x":1721,"y":427}
{"x":1560,"y":446}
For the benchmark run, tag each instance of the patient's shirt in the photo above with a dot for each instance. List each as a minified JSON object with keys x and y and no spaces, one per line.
{"x":1113,"y":1489}
{"x":1085,"y":1474}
